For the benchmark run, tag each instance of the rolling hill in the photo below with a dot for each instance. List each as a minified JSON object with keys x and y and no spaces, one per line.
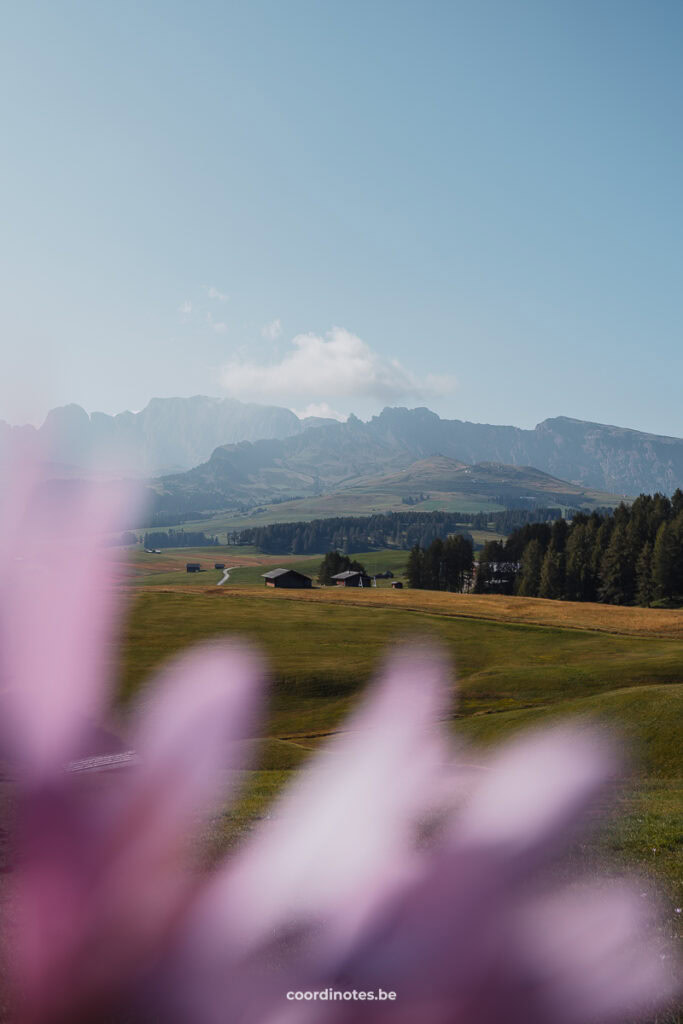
{"x":262,"y":473}
{"x":443,"y":475}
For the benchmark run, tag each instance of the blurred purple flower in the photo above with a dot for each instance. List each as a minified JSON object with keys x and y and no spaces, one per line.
{"x":385,"y":865}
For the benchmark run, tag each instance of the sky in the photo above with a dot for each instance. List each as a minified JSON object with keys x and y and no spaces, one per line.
{"x":337,"y":205}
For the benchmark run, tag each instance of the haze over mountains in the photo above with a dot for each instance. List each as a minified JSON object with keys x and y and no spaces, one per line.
{"x":341,"y":455}
{"x":168,"y":435}
{"x":218,"y":450}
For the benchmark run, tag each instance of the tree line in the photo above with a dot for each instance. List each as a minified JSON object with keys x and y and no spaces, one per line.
{"x":388,"y":529}
{"x":178,"y":539}
{"x":444,"y":565}
{"x":632,"y":555}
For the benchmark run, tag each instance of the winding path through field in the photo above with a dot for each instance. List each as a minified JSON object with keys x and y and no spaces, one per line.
{"x":226,"y":575}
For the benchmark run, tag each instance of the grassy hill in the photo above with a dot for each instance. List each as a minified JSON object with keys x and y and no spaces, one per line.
{"x":370,"y":465}
{"x":483,"y":479}
{"x":432,"y":484}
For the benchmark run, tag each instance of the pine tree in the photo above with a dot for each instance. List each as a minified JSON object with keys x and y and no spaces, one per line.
{"x":645,"y":588}
{"x":551,"y":581}
{"x":617,"y":572}
{"x":530,"y":575}
{"x":578,"y":575}
{"x":457,"y":562}
{"x":664,"y":558}
{"x":434,"y":565}
{"x":415,"y":569}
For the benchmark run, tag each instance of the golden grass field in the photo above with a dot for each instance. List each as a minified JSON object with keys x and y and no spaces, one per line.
{"x":654,"y":622}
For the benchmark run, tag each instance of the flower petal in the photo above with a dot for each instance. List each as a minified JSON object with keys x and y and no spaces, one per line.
{"x":346,"y":827}
{"x":58,"y":606}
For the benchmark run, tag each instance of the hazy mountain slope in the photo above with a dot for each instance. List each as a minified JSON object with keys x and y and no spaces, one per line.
{"x":270,"y":470}
{"x":169,"y":434}
{"x":591,"y":454}
{"x":340,"y":455}
{"x":175,"y":434}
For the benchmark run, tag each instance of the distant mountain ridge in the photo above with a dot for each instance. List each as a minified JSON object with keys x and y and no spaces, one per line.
{"x":341,"y":455}
{"x":293,"y":455}
{"x":168,"y":435}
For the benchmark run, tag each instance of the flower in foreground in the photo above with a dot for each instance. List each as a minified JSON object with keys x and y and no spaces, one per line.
{"x":385,"y":865}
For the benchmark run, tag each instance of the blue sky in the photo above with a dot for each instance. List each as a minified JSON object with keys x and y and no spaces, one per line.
{"x":474,"y":206}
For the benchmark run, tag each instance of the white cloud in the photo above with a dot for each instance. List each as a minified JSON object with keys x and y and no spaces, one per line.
{"x":326,"y":369}
{"x":220,"y":328}
{"x":215,"y":294}
{"x":321,"y":409}
{"x":186,"y":308}
{"x":273,"y":330}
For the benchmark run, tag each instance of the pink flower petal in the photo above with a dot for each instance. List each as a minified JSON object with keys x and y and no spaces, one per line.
{"x":341,"y":824}
{"x":57,"y":613}
{"x":189,"y":733}
{"x":596,"y":954}
{"x":537,"y":788}
{"x":103,"y":887}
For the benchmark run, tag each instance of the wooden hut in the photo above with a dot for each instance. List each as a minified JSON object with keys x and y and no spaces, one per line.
{"x":352,"y":578}
{"x":287,"y":578}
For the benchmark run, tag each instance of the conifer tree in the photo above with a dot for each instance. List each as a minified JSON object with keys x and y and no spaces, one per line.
{"x":529,"y":581}
{"x":551,"y":575}
{"x":617,"y":572}
{"x":664,"y":558}
{"x":578,"y":573}
{"x":434,"y":567}
{"x":415,"y":569}
{"x":645,"y":588}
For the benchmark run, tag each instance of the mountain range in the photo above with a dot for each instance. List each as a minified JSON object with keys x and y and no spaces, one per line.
{"x":339,"y":456}
{"x":207,"y":452}
{"x":168,"y":435}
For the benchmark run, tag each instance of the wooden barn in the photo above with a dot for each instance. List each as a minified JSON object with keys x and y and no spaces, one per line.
{"x":352,"y":578}
{"x":193,"y":567}
{"x":288,"y":578}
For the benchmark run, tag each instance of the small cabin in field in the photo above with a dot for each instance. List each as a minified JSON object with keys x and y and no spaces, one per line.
{"x":193,"y":567}
{"x":352,"y":578}
{"x":397,"y":585}
{"x":287,"y":578}
{"x":219,"y":565}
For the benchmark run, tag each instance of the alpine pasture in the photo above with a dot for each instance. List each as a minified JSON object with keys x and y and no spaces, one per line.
{"x":518,"y":663}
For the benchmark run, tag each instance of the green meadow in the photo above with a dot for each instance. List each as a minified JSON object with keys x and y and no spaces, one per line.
{"x":510,"y":677}
{"x":252,"y":575}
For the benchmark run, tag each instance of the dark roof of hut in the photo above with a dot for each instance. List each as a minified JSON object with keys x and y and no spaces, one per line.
{"x":274,"y":573}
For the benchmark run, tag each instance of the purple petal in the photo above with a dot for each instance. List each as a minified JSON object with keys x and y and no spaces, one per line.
{"x":57,"y":611}
{"x":595,"y":953}
{"x":189,"y":731}
{"x":536,"y":790}
{"x":345,"y":829}
{"x":102,"y":885}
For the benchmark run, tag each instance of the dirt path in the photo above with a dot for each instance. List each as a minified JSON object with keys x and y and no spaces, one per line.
{"x":226,"y":575}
